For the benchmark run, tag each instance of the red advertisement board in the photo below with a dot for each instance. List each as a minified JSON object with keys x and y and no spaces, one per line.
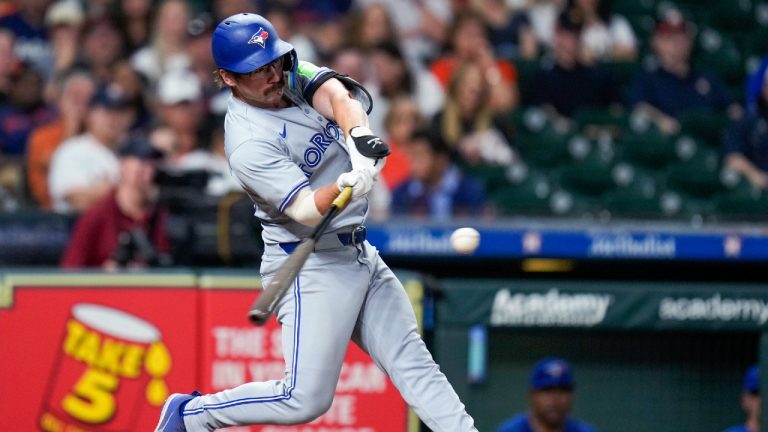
{"x":99,"y":353}
{"x":236,"y":352}
{"x":94,"y":358}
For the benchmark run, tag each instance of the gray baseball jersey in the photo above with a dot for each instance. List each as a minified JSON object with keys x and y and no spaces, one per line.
{"x":344,"y":291}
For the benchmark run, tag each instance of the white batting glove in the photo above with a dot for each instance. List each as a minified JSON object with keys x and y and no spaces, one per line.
{"x":366,"y":149}
{"x":361,"y":181}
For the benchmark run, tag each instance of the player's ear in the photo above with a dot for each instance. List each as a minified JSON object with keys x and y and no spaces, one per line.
{"x":227,"y":77}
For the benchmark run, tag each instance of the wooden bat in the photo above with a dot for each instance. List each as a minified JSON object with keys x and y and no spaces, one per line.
{"x":265,"y":304}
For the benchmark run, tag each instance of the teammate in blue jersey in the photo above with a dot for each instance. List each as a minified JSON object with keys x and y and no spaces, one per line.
{"x":295,"y":135}
{"x":750,"y":402}
{"x":551,"y":400}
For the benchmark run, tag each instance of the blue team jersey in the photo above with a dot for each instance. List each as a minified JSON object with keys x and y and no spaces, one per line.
{"x":520,"y":423}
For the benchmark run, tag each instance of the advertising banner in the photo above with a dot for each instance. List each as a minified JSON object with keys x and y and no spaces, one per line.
{"x":94,"y":353}
{"x":606,"y":304}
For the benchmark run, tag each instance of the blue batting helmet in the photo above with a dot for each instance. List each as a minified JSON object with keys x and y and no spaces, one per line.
{"x":245,"y":42}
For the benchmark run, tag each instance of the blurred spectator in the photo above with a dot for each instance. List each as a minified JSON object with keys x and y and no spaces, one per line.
{"x":64,"y":20}
{"x":133,"y":86}
{"x":468,"y":42}
{"x":226,"y":8}
{"x":167,"y":48}
{"x":286,"y":26}
{"x":436,"y":188}
{"x":605,"y":36}
{"x":671,"y":87}
{"x":214,"y":162}
{"x":127,"y":227}
{"x":23,"y":110}
{"x":550,"y":400}
{"x":567,"y":84}
{"x":542,"y":14}
{"x":401,"y":121}
{"x":84,"y":168}
{"x":754,"y":86}
{"x":372,"y":26}
{"x":420,"y":26}
{"x":134,"y":18}
{"x":750,"y":402}
{"x":9,"y":63}
{"x":392,"y":77}
{"x":102,"y":47}
{"x":28,"y":26}
{"x":180,"y":105}
{"x":467,"y":124}
{"x":352,"y":62}
{"x":509,"y":30}
{"x":74,"y":91}
{"x":746,"y":142}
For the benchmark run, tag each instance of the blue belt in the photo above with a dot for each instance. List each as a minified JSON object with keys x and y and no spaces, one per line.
{"x":355,"y":236}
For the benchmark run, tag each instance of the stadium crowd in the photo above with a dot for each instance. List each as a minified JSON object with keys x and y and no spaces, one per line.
{"x":491,"y":107}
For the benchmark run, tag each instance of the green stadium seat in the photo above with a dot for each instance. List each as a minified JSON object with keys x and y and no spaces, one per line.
{"x":651,"y":149}
{"x":527,"y":192}
{"x":589,"y":178}
{"x":699,"y":176}
{"x":547,"y":148}
{"x":731,"y":15}
{"x":492,"y":176}
{"x":717,"y":52}
{"x":742,"y":203}
{"x":707,"y":125}
{"x":588,"y":118}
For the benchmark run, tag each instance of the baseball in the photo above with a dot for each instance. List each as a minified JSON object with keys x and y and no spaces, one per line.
{"x":465,"y":240}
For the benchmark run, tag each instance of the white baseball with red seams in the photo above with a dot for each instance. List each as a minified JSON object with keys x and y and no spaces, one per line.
{"x":465,"y":240}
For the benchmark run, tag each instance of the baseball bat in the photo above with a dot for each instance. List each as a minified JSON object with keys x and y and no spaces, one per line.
{"x":265,"y":304}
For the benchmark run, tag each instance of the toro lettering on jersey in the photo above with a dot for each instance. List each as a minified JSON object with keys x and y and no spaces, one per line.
{"x":318,"y":144}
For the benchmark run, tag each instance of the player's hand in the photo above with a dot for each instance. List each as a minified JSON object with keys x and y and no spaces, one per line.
{"x":366,"y":149}
{"x":361,"y":180}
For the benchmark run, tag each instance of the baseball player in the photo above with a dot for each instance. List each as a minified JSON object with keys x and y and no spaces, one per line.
{"x":295,"y":135}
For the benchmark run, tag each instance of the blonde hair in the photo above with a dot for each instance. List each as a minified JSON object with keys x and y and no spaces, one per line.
{"x":452,"y":125}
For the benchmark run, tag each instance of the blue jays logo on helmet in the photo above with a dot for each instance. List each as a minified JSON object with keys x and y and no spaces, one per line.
{"x":259,"y":37}
{"x":245,"y":42}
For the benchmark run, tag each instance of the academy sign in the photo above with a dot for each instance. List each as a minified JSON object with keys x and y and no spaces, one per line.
{"x":553,"y":308}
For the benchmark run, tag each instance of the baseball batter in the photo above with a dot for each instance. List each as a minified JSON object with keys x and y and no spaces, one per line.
{"x":296,"y":134}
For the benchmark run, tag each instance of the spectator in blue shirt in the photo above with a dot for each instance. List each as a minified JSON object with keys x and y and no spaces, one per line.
{"x":750,"y":402}
{"x":671,"y":86}
{"x":436,"y":187}
{"x":550,"y":399}
{"x":28,"y":25}
{"x":745,"y":147}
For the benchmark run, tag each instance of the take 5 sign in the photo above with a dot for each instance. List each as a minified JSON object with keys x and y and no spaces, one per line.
{"x":88,"y":352}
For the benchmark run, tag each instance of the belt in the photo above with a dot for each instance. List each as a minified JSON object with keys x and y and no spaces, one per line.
{"x":352,"y":237}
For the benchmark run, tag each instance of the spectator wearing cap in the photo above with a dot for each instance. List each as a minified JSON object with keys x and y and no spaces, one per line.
{"x":670,"y":86}
{"x":750,"y":402}
{"x":126,"y":228}
{"x":180,"y":105}
{"x":550,"y":399}
{"x":745,"y":147}
{"x":73,"y":94}
{"x":84,"y":168}
{"x":64,"y":20}
{"x":563,"y":83}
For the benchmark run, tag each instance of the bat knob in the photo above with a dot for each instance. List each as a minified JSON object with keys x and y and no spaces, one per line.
{"x":259,"y":317}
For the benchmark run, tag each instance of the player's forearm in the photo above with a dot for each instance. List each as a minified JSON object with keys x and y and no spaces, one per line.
{"x":309,"y":207}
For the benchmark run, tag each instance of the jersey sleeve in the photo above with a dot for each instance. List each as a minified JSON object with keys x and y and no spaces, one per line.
{"x":266,"y":170}
{"x":308,"y":78}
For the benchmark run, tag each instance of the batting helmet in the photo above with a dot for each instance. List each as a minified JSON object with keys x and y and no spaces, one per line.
{"x":245,"y":42}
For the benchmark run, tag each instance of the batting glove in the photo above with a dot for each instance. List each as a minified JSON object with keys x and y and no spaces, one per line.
{"x":361,"y":181}
{"x":366,"y":149}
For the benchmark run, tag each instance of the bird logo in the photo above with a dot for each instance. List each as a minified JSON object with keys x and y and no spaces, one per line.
{"x":259,"y":37}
